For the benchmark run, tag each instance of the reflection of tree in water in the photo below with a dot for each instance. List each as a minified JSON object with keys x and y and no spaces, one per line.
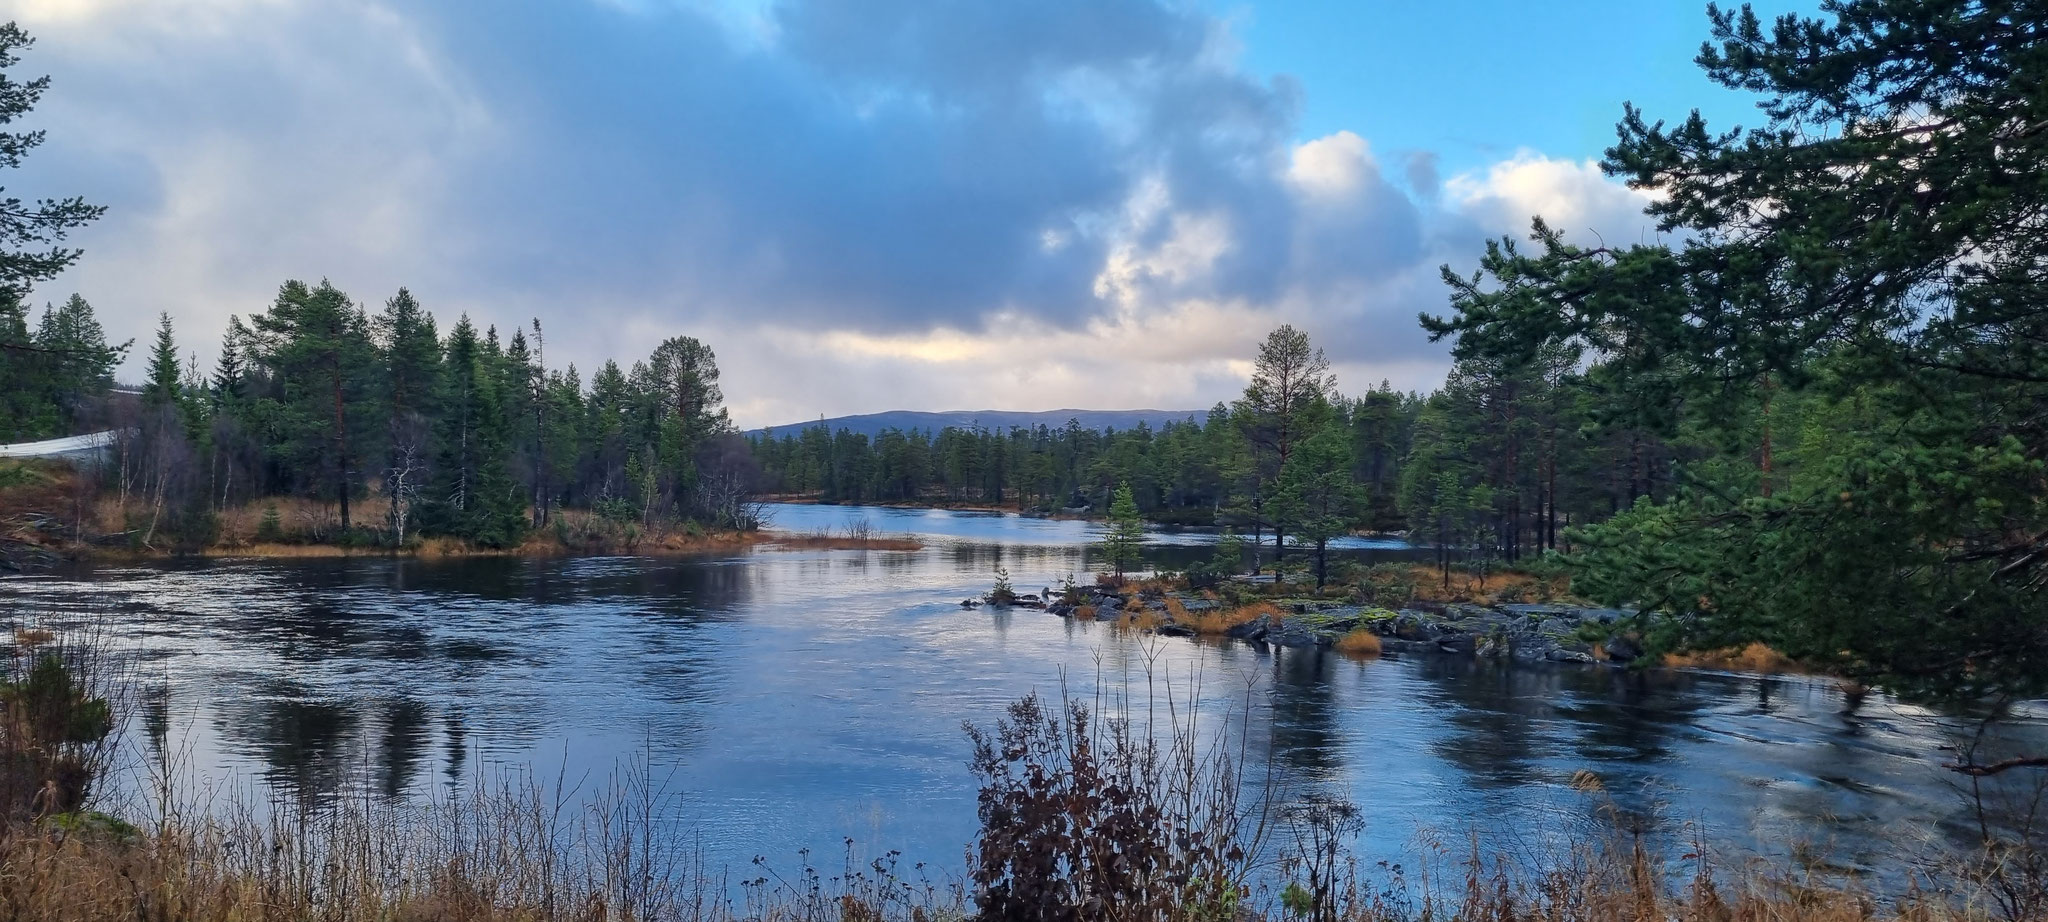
{"x":1495,"y":711}
{"x":1304,"y":713}
{"x":1622,"y":715}
{"x":454,"y":746}
{"x":402,"y":743}
{"x":155,"y":706}
{"x":303,"y":742}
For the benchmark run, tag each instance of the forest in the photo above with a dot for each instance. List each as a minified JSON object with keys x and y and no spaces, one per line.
{"x":403,"y":431}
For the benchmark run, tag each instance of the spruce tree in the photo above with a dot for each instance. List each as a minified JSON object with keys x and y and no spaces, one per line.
{"x":161,"y":387}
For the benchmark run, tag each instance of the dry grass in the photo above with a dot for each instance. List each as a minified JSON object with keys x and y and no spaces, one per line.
{"x":32,"y":637}
{"x":825,"y":542}
{"x":1753,"y":658}
{"x":1217,"y":621}
{"x":1084,"y":613}
{"x":1142,"y":619}
{"x":513,"y":856}
{"x":1496,"y":587}
{"x":1360,"y":642}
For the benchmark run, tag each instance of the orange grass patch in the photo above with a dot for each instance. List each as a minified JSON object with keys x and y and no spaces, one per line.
{"x":1360,"y":642}
{"x":1753,"y":658}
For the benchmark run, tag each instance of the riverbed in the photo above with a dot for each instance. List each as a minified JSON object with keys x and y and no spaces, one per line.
{"x":791,"y":700}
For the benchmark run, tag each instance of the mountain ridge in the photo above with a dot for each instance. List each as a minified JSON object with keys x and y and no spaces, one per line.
{"x":870,"y":424}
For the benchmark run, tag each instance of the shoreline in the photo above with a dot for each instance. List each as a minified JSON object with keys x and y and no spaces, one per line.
{"x":442,"y":549}
{"x":807,"y":499}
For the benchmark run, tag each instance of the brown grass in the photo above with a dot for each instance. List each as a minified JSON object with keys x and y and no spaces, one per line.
{"x":509,"y":859}
{"x":1360,"y":642}
{"x":791,"y":542}
{"x":1217,"y":621}
{"x":1141,"y":619}
{"x":1753,"y":658}
{"x":1084,"y":613}
{"x":32,"y":637}
{"x":1496,"y":587}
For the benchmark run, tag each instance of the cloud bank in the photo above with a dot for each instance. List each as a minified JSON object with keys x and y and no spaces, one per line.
{"x":861,"y":206}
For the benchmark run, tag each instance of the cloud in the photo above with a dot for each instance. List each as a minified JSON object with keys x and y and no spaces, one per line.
{"x":860,"y":205}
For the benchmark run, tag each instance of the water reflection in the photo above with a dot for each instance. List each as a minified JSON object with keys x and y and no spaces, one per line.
{"x":797,"y":697}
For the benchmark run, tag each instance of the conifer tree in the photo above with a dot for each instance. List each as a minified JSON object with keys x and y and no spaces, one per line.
{"x":1318,"y":490}
{"x":161,"y":387}
{"x":31,"y":233}
{"x":1873,"y":251}
{"x":1124,"y":538}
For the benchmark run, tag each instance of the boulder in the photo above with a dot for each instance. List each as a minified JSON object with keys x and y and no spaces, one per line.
{"x":1623,"y":649}
{"x":1255,"y":629}
{"x":1569,"y":656}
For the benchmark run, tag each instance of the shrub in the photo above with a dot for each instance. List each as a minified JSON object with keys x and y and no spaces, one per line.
{"x":1087,"y":820}
{"x":51,"y":737}
{"x":1002,"y":594}
{"x":270,"y":529}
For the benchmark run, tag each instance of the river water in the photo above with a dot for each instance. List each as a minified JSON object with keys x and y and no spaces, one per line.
{"x":793,"y":699}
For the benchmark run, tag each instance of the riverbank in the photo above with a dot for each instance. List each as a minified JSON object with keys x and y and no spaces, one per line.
{"x":47,"y":516}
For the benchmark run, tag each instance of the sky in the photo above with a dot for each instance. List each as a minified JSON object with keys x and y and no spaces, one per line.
{"x":888,"y":204}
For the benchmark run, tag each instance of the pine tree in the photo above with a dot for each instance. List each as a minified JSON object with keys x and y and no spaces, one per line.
{"x":1318,"y":489}
{"x":316,"y":346}
{"x":1124,"y":538}
{"x":27,"y":229}
{"x":1872,"y":251}
{"x":1289,"y":376}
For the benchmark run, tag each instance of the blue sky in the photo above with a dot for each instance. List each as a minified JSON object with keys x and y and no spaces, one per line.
{"x":922,"y":204}
{"x":1475,"y":80}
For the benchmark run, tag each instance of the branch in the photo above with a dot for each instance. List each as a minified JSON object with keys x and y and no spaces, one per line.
{"x":1983,"y":771}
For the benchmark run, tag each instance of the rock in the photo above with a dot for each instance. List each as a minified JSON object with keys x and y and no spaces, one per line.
{"x":1458,"y":643}
{"x":1175,"y":630}
{"x":1568,"y":656}
{"x":1255,"y":629}
{"x":1623,"y":649}
{"x":1418,"y":629}
{"x":970,"y":603}
{"x":1291,"y":636}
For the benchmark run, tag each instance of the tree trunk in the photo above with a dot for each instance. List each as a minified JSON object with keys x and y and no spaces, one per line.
{"x":340,"y":448}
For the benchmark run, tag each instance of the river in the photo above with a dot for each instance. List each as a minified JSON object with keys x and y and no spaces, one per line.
{"x":793,"y":699}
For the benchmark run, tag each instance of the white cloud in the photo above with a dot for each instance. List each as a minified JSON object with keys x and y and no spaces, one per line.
{"x":974,"y":205}
{"x":1572,"y":195}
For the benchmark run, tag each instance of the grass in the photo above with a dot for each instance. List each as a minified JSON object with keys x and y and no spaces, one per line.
{"x":1495,"y":587}
{"x":1752,"y":658}
{"x":511,"y":853}
{"x":826,"y":541}
{"x":1218,"y":620}
{"x":1359,"y":642}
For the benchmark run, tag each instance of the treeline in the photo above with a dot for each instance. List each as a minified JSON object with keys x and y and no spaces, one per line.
{"x":1497,"y":462}
{"x":405,"y":431}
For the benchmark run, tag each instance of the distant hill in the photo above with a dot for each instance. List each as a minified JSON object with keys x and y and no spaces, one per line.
{"x":869,"y":424}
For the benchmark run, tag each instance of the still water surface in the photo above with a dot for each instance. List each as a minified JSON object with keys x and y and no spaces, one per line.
{"x":793,"y":699}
